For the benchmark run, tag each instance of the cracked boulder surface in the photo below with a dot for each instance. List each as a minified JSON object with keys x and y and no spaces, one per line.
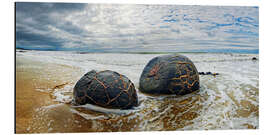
{"x":107,"y":89}
{"x":169,"y":74}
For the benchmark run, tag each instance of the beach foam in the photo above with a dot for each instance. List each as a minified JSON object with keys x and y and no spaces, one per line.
{"x":228,"y":101}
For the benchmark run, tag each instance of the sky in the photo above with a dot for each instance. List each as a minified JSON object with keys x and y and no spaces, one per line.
{"x":136,"y":28}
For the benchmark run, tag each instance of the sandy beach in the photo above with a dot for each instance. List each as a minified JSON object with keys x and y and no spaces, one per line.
{"x":57,"y":43}
{"x":45,"y":81}
{"x":34,"y":80}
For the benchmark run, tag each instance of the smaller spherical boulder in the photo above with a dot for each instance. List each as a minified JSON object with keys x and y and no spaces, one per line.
{"x":107,"y":89}
{"x":169,"y":74}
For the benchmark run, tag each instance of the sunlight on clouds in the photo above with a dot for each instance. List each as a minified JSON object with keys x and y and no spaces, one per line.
{"x":140,"y":27}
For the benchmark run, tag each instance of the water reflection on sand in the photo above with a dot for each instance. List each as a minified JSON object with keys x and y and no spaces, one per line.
{"x":227,"y":101}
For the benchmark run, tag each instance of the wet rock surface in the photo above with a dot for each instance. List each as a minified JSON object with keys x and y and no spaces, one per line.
{"x":208,"y":73}
{"x":169,"y":74}
{"x":107,"y":89}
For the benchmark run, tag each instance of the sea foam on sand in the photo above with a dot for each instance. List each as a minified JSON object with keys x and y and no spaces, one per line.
{"x":229,"y":100}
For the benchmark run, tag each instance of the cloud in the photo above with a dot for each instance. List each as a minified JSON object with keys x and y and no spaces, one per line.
{"x":91,"y":27}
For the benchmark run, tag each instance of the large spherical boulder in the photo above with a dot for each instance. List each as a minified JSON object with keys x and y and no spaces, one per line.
{"x":107,"y":89}
{"x":169,"y":74}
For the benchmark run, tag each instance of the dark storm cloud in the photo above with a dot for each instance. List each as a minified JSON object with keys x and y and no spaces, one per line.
{"x":43,"y":8}
{"x":97,"y":27}
{"x":33,"y":21}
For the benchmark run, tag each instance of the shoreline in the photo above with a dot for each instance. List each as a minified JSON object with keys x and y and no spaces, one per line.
{"x":42,"y":87}
{"x":29,"y":100}
{"x":89,"y":52}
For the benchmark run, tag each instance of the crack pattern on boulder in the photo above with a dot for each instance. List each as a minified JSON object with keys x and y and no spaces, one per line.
{"x":107,"y":89}
{"x":169,"y":74}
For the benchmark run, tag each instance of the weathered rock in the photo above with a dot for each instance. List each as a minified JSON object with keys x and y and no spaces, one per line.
{"x":208,"y":73}
{"x":201,"y":73}
{"x":169,"y":74}
{"x":107,"y":89}
{"x":254,"y":58}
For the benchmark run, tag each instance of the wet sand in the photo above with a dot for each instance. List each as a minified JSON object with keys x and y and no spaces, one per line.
{"x":36,"y":112}
{"x":32,"y":76}
{"x":39,"y":111}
